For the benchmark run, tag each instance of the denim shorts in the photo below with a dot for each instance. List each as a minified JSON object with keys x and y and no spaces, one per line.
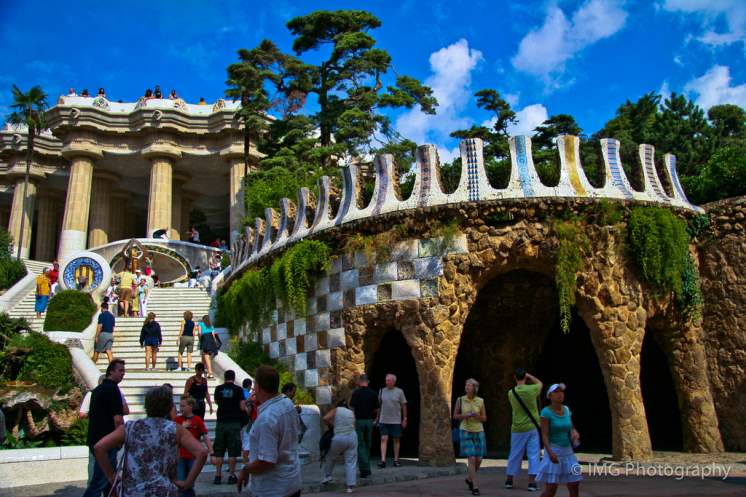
{"x":390,"y":430}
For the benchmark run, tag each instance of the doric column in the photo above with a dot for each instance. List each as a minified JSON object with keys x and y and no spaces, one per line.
{"x":237,"y":173}
{"x":162,"y":158}
{"x":119,"y":214}
{"x":17,"y":212}
{"x":99,"y":230}
{"x":78,"y":201}
{"x":46,"y":227}
{"x":177,"y":228}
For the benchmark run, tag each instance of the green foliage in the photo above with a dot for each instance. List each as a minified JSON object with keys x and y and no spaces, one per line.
{"x":20,"y":442}
{"x":572,"y":242}
{"x":250,"y":355}
{"x":723,"y":176}
{"x":44,"y":362}
{"x":77,"y":434}
{"x":607,"y":213}
{"x":252,"y":297}
{"x":658,"y":243}
{"x":11,"y":270}
{"x":69,"y":310}
{"x":10,"y":327}
{"x":698,"y":226}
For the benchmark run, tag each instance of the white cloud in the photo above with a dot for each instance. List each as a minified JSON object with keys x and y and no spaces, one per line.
{"x":711,"y":12}
{"x":451,"y":83}
{"x":714,"y":88}
{"x":665,"y":90}
{"x":528,"y":119}
{"x":544,"y":51}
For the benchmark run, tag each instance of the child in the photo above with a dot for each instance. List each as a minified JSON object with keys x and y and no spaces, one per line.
{"x":197,"y":428}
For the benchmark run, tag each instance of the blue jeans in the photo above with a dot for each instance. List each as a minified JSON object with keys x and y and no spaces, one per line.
{"x":98,"y":484}
{"x":183,"y":467}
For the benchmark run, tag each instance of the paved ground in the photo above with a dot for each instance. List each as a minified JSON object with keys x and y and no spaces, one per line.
{"x":727,"y":478}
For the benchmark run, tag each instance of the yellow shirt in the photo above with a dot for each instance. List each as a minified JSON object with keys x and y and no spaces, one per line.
{"x":42,"y":285}
{"x":126,"y":279}
{"x":469,"y":406}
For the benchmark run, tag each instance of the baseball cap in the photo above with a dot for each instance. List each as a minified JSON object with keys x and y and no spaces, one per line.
{"x":556,"y":386}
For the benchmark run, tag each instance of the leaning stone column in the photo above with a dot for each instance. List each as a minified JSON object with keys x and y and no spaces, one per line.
{"x":100,"y":232}
{"x":46,"y":227}
{"x":682,"y":344}
{"x":160,"y":197}
{"x":77,"y":203}
{"x":17,"y":212}
{"x":236,"y":201}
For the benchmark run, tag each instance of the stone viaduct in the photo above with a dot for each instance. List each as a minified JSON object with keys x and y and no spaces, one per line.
{"x":445,"y":304}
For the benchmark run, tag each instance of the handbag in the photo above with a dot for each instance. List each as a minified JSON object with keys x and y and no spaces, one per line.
{"x":530,"y":416}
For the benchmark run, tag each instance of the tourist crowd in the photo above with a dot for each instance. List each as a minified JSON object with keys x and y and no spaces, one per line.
{"x":262,"y":426}
{"x":149,"y":94}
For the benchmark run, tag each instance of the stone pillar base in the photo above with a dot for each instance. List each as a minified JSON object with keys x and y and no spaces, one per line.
{"x":71,"y":241}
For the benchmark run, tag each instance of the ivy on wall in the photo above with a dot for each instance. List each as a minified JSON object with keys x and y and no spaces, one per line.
{"x":252,"y":297}
{"x":658,"y":243}
{"x":572,"y":242}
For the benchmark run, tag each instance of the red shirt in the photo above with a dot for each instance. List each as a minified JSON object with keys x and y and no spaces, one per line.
{"x":53,"y":275}
{"x":196,"y":427}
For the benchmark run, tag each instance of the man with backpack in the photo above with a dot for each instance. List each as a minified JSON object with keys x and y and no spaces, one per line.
{"x":524,"y":436}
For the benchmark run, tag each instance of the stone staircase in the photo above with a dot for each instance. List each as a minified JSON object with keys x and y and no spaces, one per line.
{"x":169,"y":305}
{"x":25,"y":308}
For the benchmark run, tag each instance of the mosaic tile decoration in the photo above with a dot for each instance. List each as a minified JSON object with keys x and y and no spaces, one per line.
{"x":615,"y":172}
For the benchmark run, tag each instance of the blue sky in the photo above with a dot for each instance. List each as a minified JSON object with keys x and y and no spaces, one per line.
{"x":582,"y":57}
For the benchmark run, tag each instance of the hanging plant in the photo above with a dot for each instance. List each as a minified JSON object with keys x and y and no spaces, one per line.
{"x":572,"y":242}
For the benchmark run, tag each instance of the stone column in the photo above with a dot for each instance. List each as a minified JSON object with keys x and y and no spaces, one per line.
{"x":77,"y":203}
{"x":46,"y":227}
{"x":17,"y":212}
{"x":683,"y":346}
{"x":236,"y":201}
{"x":99,"y":232}
{"x":160,"y":196}
{"x":177,"y":228}
{"x":119,"y":213}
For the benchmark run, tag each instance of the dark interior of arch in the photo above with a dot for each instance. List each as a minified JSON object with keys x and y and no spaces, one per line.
{"x":515,"y":323}
{"x":659,"y":397}
{"x":393,"y":356}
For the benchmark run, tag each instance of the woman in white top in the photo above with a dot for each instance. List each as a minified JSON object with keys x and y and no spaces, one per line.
{"x":344,"y":442}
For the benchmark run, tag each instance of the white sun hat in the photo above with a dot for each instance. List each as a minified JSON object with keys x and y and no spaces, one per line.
{"x":556,"y":386}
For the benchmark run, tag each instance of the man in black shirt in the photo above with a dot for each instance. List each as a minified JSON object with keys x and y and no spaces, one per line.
{"x":365,"y":404}
{"x":105,"y":415}
{"x":232,"y":414}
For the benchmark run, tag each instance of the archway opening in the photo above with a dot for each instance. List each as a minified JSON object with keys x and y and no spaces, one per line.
{"x":393,"y":356}
{"x":659,"y":397}
{"x":515,"y":323}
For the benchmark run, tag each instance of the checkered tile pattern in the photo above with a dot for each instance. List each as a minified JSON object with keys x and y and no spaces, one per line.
{"x":304,"y":343}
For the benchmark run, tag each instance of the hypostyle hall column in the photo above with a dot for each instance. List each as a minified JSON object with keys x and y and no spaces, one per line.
{"x":99,"y":230}
{"x":119,"y":214}
{"x":46,"y":226}
{"x":177,"y":228}
{"x":161,"y":188}
{"x":17,"y":212}
{"x":237,"y":173}
{"x":78,"y":201}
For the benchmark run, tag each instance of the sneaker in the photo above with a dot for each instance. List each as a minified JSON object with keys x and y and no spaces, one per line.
{"x":509,"y":483}
{"x":382,"y":464}
{"x":217,"y":481}
{"x":232,"y":480}
{"x":326,"y":480}
{"x":533,"y":487}
{"x":349,"y":490}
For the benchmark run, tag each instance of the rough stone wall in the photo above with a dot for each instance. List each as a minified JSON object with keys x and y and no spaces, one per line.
{"x":722,"y":259}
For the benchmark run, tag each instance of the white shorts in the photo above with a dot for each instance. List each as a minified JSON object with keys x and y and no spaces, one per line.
{"x":244,"y":440}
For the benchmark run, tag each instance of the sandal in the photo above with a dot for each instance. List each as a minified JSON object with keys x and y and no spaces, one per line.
{"x":469,"y":484}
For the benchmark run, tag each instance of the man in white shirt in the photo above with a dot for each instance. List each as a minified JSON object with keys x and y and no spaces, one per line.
{"x":274,"y":465}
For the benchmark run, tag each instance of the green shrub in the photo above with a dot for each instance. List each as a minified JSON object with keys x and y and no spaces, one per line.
{"x":69,"y":310}
{"x":45,"y":362}
{"x":250,"y":355}
{"x":77,"y":434}
{"x":11,"y":270}
{"x":10,"y":327}
{"x":572,"y":240}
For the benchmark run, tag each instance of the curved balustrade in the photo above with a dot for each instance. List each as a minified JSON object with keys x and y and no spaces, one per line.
{"x":278,"y":229}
